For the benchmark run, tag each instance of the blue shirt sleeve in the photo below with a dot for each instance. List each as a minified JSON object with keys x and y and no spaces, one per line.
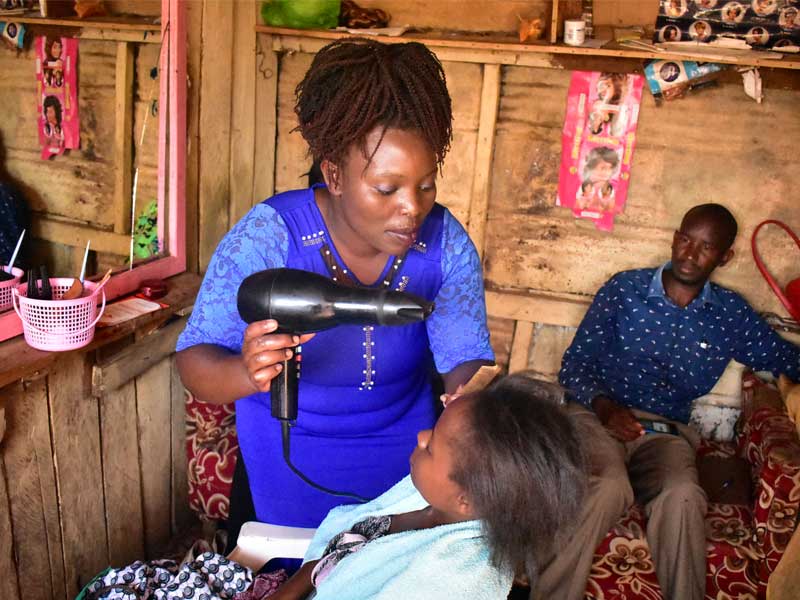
{"x":259,"y":241}
{"x":579,"y":364}
{"x":759,"y":347}
{"x":457,"y":328}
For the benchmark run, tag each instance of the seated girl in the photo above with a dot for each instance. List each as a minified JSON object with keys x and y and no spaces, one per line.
{"x":492,"y":486}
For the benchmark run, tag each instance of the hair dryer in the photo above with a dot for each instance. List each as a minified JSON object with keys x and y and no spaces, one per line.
{"x":305,"y":302}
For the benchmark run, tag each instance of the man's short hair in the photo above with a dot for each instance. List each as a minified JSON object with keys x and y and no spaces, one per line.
{"x":720,"y":216}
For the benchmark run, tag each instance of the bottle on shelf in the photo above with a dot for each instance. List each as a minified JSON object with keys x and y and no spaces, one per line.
{"x":588,"y":17}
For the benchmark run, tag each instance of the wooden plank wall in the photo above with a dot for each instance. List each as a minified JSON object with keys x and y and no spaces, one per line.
{"x":542,"y":266}
{"x":88,"y":481}
{"x":86,"y":192}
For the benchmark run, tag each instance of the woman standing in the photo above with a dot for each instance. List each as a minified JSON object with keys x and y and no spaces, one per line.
{"x":378,"y":121}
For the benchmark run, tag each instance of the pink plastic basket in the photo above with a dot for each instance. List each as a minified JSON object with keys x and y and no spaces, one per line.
{"x":57,"y":324}
{"x":7,"y":286}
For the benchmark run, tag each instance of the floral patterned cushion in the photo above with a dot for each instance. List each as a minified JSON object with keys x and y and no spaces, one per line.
{"x":744,"y":543}
{"x":211,"y":446}
{"x":623,"y":567}
{"x":731,"y":570}
{"x":770,"y":444}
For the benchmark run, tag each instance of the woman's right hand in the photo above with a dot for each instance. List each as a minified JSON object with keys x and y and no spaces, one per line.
{"x":264,"y":351}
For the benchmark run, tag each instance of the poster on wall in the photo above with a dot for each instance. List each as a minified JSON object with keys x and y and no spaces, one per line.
{"x":57,"y":94}
{"x":597,"y":144}
{"x":760,"y":23}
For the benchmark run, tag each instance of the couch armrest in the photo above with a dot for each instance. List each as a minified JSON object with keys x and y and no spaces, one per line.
{"x":769,"y":442}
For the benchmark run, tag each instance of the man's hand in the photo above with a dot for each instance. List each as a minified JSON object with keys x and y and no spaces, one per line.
{"x":618,"y":419}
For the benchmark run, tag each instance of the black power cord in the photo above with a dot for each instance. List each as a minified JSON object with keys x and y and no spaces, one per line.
{"x":285,"y":433}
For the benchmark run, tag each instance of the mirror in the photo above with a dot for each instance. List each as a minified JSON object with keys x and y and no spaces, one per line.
{"x":122,"y":190}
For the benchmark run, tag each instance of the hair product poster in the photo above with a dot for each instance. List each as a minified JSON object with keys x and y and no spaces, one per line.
{"x":760,"y":23}
{"x":57,"y":94}
{"x":597,"y":144}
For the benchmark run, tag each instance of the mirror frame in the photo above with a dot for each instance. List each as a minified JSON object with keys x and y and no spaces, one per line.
{"x":171,"y":178}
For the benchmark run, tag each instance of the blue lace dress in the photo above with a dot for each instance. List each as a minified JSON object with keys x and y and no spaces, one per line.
{"x":365,"y":392}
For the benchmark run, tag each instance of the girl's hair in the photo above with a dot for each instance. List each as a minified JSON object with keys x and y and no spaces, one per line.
{"x":522,"y":467}
{"x":356,"y":84}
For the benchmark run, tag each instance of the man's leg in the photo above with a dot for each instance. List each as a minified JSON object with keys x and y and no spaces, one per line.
{"x":664,"y":477}
{"x":609,"y":494}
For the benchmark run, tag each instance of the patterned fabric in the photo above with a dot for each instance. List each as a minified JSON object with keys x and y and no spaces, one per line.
{"x":265,"y":585}
{"x":769,"y":443}
{"x":623,"y":566}
{"x":639,"y":348}
{"x":211,"y":446}
{"x":732,"y":559}
{"x":744,"y":544}
{"x":349,"y":542}
{"x":209,"y":576}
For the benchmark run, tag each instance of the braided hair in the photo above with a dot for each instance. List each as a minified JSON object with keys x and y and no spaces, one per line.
{"x":357,"y":84}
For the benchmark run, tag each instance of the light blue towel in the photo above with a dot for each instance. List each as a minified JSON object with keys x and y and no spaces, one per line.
{"x":445,"y":562}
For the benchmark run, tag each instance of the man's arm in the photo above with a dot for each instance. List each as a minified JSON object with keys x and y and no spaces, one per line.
{"x":595,"y":335}
{"x":759,"y":347}
{"x":579,"y":364}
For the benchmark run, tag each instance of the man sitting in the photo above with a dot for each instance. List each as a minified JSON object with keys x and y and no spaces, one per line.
{"x":651,"y":342}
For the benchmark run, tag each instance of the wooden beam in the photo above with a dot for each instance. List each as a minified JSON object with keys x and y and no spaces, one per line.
{"x":115,"y":23}
{"x":536,"y":308}
{"x":153,"y":407}
{"x":554,"y":23}
{"x":266,"y":118}
{"x":487,"y":120}
{"x":123,"y":137}
{"x":28,"y":457}
{"x":194,"y":32}
{"x":508,"y":51}
{"x":114,"y":35}
{"x":498,"y":56}
{"x":122,"y":484}
{"x":181,"y":515}
{"x":72,"y":234}
{"x":9,"y":586}
{"x":243,"y":111}
{"x":215,"y":126}
{"x":76,"y":447}
{"x":520,"y":346}
{"x":136,"y":359}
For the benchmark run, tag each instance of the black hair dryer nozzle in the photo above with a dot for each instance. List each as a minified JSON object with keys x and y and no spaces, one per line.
{"x":305,"y":302}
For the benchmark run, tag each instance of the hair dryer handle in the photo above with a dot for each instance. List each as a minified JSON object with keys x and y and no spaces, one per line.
{"x":284,"y":388}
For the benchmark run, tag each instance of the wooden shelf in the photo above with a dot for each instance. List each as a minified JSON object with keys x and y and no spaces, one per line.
{"x":141,"y":24}
{"x":19,"y":361}
{"x":505,"y":49}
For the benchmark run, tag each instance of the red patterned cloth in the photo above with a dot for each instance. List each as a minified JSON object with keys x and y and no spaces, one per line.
{"x":211,"y":446}
{"x":623,"y":566}
{"x":744,"y":544}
